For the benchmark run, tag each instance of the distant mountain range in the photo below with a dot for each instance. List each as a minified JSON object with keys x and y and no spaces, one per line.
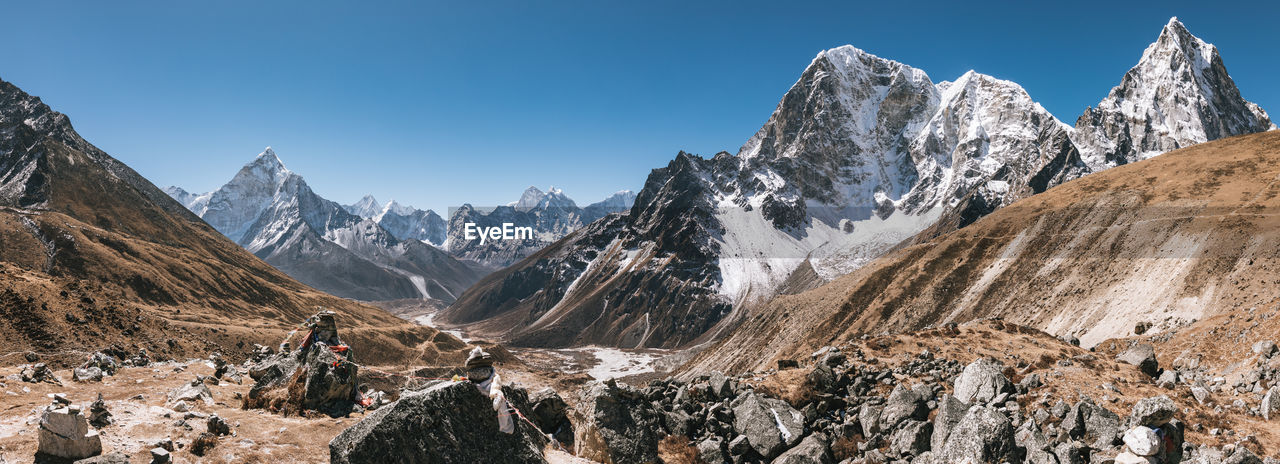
{"x":375,"y":251}
{"x":551,"y":214}
{"x":270,"y":211}
{"x":861,"y":154}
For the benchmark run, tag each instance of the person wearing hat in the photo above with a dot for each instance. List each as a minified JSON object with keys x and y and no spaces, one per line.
{"x":481,"y":373}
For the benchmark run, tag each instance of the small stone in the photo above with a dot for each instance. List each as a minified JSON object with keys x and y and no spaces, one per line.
{"x":159,"y":456}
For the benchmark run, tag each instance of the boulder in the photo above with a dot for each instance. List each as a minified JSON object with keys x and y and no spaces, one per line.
{"x":981,"y":381}
{"x":770,"y":425}
{"x":720,"y":385}
{"x":1266,"y":348}
{"x":86,"y":374}
{"x":903,"y":404}
{"x":1154,"y":412}
{"x":110,"y":458}
{"x":711,"y":450}
{"x":160,"y":456}
{"x":192,"y":391}
{"x":1242,"y":455}
{"x":1093,"y":424}
{"x":950,"y":411}
{"x":621,"y":426}
{"x":1142,"y":441}
{"x":1126,"y":457}
{"x":551,"y":414}
{"x":1270,"y":402}
{"x":217,"y":426}
{"x":448,"y":422}
{"x":869,"y":417}
{"x":1142,"y":355}
{"x":65,"y":433}
{"x":982,"y":435}
{"x":911,"y":438}
{"x":812,"y":450}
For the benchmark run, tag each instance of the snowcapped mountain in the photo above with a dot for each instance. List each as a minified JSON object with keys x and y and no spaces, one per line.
{"x":367,"y":207}
{"x":273,"y":213}
{"x":861,"y":154}
{"x":403,"y":222}
{"x":1178,"y":95}
{"x":551,"y":214}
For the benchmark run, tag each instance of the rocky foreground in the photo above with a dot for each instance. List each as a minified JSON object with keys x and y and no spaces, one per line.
{"x":981,"y":392}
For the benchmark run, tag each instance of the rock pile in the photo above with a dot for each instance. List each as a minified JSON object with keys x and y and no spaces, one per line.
{"x":38,"y":373}
{"x":864,"y":412}
{"x":319,"y":376}
{"x":65,"y":433}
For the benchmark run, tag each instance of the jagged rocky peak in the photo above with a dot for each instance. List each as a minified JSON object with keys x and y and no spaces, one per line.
{"x":988,"y":134}
{"x":1179,"y":94}
{"x":843,"y":125}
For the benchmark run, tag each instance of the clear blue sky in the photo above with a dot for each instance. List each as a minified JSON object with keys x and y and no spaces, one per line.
{"x":441,"y":103}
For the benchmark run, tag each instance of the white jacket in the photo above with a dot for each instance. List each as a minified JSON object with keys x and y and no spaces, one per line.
{"x":492,"y":387}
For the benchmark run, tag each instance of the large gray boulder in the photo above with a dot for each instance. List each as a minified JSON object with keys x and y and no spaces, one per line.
{"x":1154,"y":411}
{"x":812,"y":450}
{"x":902,"y":404}
{"x":620,"y":426}
{"x":983,"y":435}
{"x":950,"y":411}
{"x":1142,"y":355}
{"x":981,"y":381}
{"x":448,"y":422}
{"x":1270,"y":402}
{"x":770,"y":425}
{"x":1092,"y":424}
{"x":192,"y":391}
{"x":912,"y":438}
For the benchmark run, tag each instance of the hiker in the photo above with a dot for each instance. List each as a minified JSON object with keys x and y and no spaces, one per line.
{"x":481,"y":373}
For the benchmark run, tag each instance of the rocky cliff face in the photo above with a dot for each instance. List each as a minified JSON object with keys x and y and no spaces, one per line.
{"x":861,"y":154}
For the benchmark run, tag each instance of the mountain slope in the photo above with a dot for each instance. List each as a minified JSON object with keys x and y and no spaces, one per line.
{"x":1160,"y":244}
{"x":273,"y":213}
{"x":88,"y":239}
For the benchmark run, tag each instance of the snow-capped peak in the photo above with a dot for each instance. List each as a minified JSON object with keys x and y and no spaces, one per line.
{"x":529,"y":198}
{"x":367,"y":207}
{"x":397,"y":208}
{"x":1179,"y":94}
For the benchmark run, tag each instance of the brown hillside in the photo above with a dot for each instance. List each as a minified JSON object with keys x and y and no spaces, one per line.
{"x":1176,"y":239}
{"x":94,"y":255}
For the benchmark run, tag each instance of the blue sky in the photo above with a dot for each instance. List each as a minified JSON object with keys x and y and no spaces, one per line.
{"x":436,"y":104}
